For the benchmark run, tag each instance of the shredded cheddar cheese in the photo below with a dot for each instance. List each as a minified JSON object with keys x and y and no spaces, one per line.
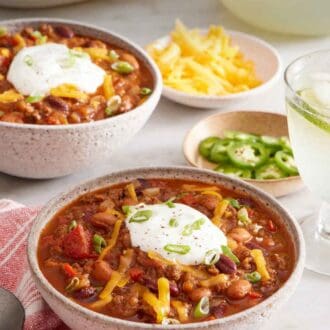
{"x":113,"y":240}
{"x":219,"y":212}
{"x":260,"y":262}
{"x":10,"y":96}
{"x":69,"y":91}
{"x":131,"y":191}
{"x":108,"y":87}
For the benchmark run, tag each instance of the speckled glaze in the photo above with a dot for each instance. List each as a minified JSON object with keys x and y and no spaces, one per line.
{"x":48,"y":151}
{"x":268,"y":68}
{"x":77,"y":317}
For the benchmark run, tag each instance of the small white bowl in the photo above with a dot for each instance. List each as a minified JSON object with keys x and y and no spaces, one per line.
{"x":49,"y":151}
{"x":267,"y":64}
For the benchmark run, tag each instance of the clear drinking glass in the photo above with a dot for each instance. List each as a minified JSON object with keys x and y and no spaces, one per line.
{"x":308,"y":106}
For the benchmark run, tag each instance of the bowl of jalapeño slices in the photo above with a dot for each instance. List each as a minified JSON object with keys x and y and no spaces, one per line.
{"x":250,"y":145}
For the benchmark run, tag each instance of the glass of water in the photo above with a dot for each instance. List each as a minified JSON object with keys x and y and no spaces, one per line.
{"x":308,"y":106}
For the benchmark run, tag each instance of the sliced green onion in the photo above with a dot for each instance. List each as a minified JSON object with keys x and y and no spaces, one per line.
{"x":229,"y":253}
{"x":202,"y":309}
{"x":113,"y":105}
{"x":3,"y":31}
{"x":187,"y":230}
{"x":234,"y":203}
{"x":126,"y":209}
{"x":113,"y":55}
{"x":72,"y":284}
{"x":141,"y":216}
{"x":170,"y":203}
{"x":72,"y":225}
{"x":253,"y":277}
{"x":243,"y":216}
{"x":145,"y":91}
{"x":39,"y":36}
{"x":196,"y":225}
{"x":76,"y":53}
{"x":173,"y":222}
{"x":122,"y":67}
{"x":211,"y":257}
{"x":33,"y":98}
{"x":177,"y":248}
{"x":28,"y":60}
{"x":99,"y":243}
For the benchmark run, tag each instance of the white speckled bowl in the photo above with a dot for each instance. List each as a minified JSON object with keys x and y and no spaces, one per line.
{"x":78,"y":317}
{"x":267,"y":64}
{"x":48,"y":151}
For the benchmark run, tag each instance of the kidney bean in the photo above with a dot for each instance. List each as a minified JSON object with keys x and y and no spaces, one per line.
{"x":57,"y":103}
{"x":219,"y":311}
{"x":226,"y":265}
{"x":85,"y":293}
{"x":174,"y":290}
{"x":64,"y":31}
{"x":239,"y":289}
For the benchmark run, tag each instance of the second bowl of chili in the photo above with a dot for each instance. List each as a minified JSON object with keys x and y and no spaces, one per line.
{"x":48,"y":126}
{"x":240,"y":257}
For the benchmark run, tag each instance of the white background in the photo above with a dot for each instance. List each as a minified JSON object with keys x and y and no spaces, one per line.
{"x":160,"y":142}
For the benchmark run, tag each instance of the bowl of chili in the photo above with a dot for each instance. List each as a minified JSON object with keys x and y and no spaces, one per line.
{"x":264,"y":133}
{"x":66,"y":111}
{"x":85,"y":261}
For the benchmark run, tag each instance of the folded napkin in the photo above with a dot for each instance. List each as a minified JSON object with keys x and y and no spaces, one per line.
{"x":15,"y":223}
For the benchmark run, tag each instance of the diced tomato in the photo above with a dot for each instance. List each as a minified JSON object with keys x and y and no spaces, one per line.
{"x":271,"y":226}
{"x":77,"y":243}
{"x":188,"y":199}
{"x":255,"y":295}
{"x":135,"y":273}
{"x":69,"y":270}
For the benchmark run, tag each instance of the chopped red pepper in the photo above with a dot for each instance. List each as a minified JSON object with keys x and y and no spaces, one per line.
{"x":135,"y":273}
{"x":255,"y":295}
{"x":271,"y":226}
{"x":69,"y":270}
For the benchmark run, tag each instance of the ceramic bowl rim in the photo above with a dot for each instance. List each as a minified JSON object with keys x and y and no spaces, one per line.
{"x":180,"y":171}
{"x":235,"y":96}
{"x":187,"y":136}
{"x":153,"y":68}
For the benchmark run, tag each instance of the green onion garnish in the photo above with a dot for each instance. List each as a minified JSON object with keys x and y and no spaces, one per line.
{"x":234,"y":203}
{"x":141,"y":216}
{"x":113,"y":105}
{"x":229,"y":253}
{"x":173,"y":222}
{"x":243,"y":216}
{"x":170,"y":203}
{"x":253,"y":277}
{"x":126,"y":209}
{"x":72,"y":225}
{"x":196,"y":225}
{"x":177,"y":248}
{"x":145,"y":91}
{"x":39,"y":36}
{"x":113,"y":55}
{"x":211,"y":257}
{"x":33,"y":99}
{"x":3,"y":31}
{"x":99,"y":243}
{"x":28,"y":60}
{"x":122,"y":67}
{"x":202,"y":309}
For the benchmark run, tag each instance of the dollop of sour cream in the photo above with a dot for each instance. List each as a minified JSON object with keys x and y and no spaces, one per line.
{"x":36,"y":70}
{"x":177,"y":232}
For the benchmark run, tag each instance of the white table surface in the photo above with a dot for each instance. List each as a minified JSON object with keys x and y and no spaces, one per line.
{"x":160,"y":141}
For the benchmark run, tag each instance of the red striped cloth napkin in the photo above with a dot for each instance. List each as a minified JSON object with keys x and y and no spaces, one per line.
{"x":15,"y":276}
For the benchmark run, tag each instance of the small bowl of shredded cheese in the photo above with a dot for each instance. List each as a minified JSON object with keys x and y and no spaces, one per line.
{"x":211,"y":68}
